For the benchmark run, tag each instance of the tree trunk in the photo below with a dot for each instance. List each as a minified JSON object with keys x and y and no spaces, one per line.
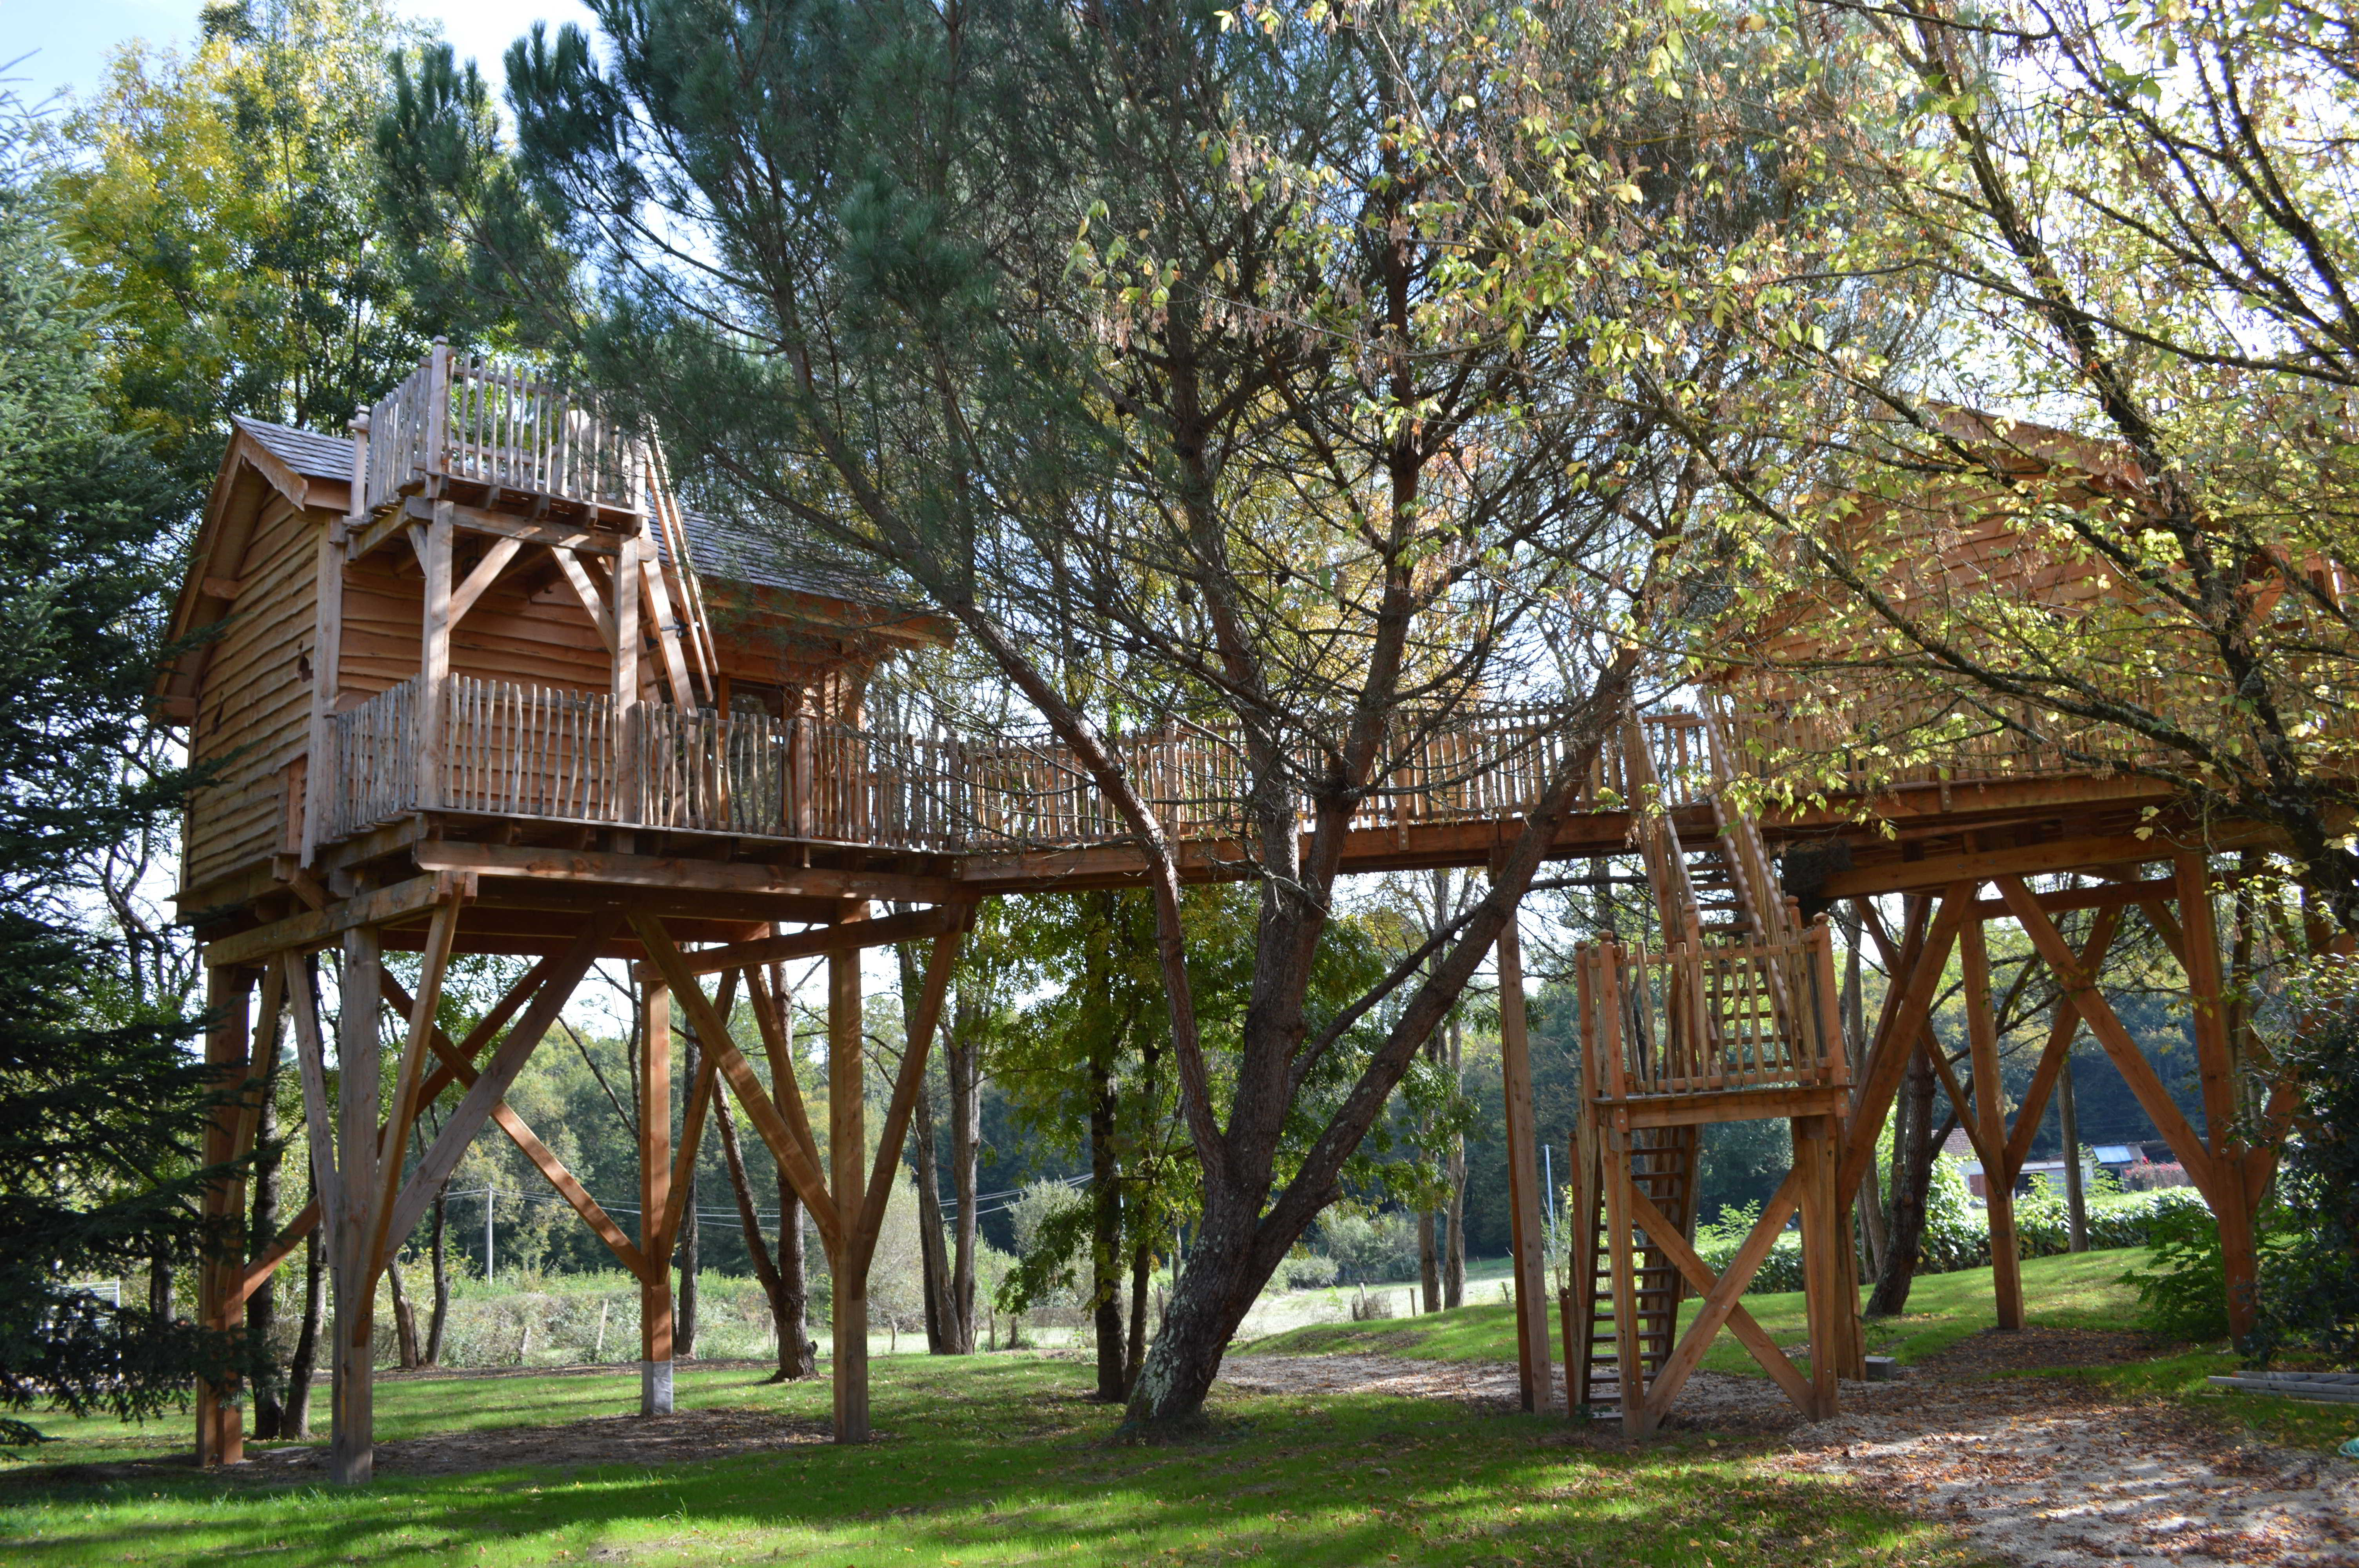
{"x":440,"y":1257}
{"x":262,"y":1307}
{"x":160,"y":1285}
{"x":405,"y":1317}
{"x":1453,"y":1261}
{"x":959,"y":1065}
{"x":1429,"y":1260}
{"x":1105,"y":1233}
{"x":791,"y":1304}
{"x":2076,"y":1200}
{"x":1142,"y":1269}
{"x":1914,"y":1149}
{"x":295,"y":1422}
{"x":933,"y":1257}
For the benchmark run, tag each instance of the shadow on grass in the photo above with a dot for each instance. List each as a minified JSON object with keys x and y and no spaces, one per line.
{"x":1007,"y":1462}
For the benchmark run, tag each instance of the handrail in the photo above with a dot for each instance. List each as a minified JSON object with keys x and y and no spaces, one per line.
{"x":1698,"y":1018}
{"x":504,"y":427}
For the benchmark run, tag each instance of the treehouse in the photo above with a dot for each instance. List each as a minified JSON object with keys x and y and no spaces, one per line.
{"x":469,"y":679}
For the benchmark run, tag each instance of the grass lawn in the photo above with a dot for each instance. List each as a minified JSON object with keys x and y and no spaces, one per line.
{"x":992,"y":1460}
{"x":2066,"y":1291}
{"x":2060,"y":1293}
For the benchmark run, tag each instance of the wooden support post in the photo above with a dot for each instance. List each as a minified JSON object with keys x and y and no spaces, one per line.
{"x":1526,"y":1231}
{"x":2233,"y":1203}
{"x":1989,"y":1111}
{"x":359,"y":1051}
{"x":320,"y":780}
{"x":221,"y":1427}
{"x":1823,"y":1271}
{"x":1581,"y":1297}
{"x":629,"y":786}
{"x":847,"y":1151}
{"x":434,"y":658}
{"x":655,"y":1195}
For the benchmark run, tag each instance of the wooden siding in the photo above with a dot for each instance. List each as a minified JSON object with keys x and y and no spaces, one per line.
{"x":254,"y":699}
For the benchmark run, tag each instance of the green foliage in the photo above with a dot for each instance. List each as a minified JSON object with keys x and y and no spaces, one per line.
{"x":1369,"y":1246}
{"x":225,"y":208}
{"x":2310,"y":1276}
{"x":100,"y":1103}
{"x":2184,"y":1294}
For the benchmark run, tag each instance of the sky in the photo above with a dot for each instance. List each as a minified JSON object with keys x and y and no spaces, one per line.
{"x":69,"y":41}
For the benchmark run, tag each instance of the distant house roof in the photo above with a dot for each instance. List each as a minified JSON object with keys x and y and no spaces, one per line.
{"x":2118,"y":1153}
{"x":730,"y":551}
{"x":1958,"y":1144}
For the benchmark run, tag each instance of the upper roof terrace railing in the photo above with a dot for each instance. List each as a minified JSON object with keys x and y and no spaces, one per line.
{"x":500,"y":429}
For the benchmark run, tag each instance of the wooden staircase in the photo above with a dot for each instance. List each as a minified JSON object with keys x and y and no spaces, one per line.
{"x":1717,"y":894}
{"x":1663,"y":1166}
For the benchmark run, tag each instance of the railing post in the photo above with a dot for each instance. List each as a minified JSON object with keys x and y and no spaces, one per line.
{"x":434,"y":450}
{"x":324,"y":775}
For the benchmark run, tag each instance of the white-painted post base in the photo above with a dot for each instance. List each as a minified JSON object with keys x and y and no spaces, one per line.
{"x":655,"y":1388}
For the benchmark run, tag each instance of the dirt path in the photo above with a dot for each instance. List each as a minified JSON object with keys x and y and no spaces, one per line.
{"x":2038,"y":1472}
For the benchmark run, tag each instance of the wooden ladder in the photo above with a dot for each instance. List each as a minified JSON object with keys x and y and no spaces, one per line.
{"x":1663,"y":1162}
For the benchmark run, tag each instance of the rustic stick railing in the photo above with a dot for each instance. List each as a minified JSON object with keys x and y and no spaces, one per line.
{"x":1705,"y":1019}
{"x":503,"y":427}
{"x":533,"y":752}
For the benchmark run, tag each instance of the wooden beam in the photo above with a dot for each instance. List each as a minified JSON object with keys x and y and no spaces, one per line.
{"x":842,"y":936}
{"x":586,"y":594}
{"x":656,"y":1393}
{"x":2232,"y":1204}
{"x":1898,"y":1037}
{"x":1722,"y":1299}
{"x":2106,"y":895}
{"x":658,"y":601}
{"x":263,"y":1267}
{"x":2061,"y":1033}
{"x":847,"y":1145}
{"x":920,"y":1041}
{"x":433,"y":963}
{"x":479,"y":580}
{"x":613,"y":870}
{"x":1989,"y":1112}
{"x":492,"y":1087}
{"x":318,"y":927}
{"x":359,"y":1051}
{"x":2126,"y":1058}
{"x":731,"y":1064}
{"x":459,"y":1063}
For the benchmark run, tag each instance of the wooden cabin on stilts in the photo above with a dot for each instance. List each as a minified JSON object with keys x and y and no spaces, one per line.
{"x":470,"y":680}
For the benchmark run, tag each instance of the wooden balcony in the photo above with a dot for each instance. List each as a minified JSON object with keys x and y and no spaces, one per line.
{"x":495,"y":434}
{"x":1712,"y":1031}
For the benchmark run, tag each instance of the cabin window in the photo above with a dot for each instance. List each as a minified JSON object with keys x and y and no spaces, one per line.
{"x":753,"y":697}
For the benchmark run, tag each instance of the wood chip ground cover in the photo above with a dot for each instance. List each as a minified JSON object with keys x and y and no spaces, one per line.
{"x":2038,"y":1472}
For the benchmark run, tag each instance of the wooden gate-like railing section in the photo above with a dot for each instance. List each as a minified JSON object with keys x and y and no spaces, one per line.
{"x":1710,"y":1019}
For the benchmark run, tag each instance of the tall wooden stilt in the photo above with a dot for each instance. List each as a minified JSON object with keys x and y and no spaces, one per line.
{"x":655,"y":1194}
{"x":2233,"y":1201}
{"x":1823,"y":1271}
{"x":1524,"y":1196}
{"x":1989,"y":1109}
{"x":847,"y":1151}
{"x":220,"y":1425}
{"x":352,"y":1451}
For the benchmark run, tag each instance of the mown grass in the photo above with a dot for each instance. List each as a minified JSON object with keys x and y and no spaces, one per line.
{"x":2071,"y":1292}
{"x":996,"y":1460}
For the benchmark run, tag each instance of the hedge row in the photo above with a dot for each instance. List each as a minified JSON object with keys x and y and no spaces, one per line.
{"x":1956,"y":1234}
